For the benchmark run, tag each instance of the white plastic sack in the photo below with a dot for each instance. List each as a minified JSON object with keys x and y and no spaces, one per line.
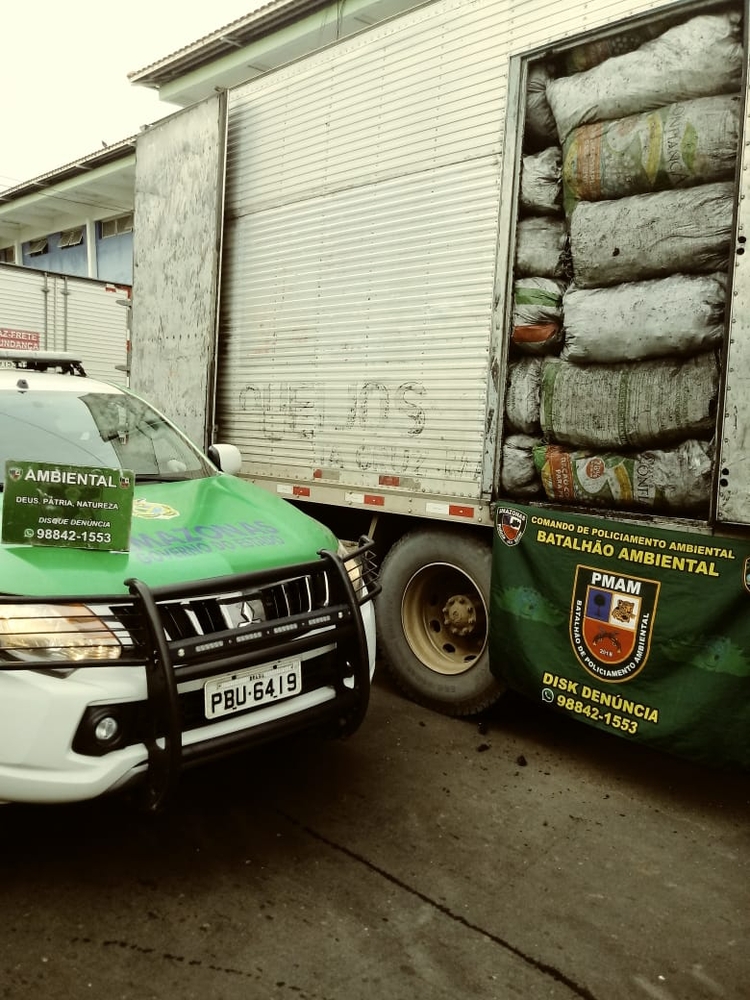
{"x":677,"y":479}
{"x":701,"y":57}
{"x":541,"y":247}
{"x":522,"y":395}
{"x":652,"y":235}
{"x":682,"y":314}
{"x":639,"y":405}
{"x":541,"y":182}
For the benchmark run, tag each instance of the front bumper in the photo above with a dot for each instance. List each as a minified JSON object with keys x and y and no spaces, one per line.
{"x":43,"y":715}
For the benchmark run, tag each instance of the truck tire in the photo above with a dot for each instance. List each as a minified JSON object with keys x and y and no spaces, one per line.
{"x":432,"y":617}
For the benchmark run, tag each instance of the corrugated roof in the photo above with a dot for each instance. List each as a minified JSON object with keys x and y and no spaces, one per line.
{"x":83,"y":165}
{"x":270,"y":17}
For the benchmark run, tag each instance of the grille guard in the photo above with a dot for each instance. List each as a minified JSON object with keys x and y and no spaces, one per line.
{"x":140,"y":624}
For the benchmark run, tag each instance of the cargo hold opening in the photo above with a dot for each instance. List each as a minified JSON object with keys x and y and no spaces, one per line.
{"x":625,"y":273}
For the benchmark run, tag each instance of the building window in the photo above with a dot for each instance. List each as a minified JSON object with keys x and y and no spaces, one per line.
{"x":7,"y":255}
{"x":71,"y":238}
{"x":117,"y":226}
{"x":38,"y":247}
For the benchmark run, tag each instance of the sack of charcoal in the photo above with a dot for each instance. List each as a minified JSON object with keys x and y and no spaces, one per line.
{"x":701,"y":57}
{"x":675,"y":480}
{"x":537,"y":315}
{"x":680,"y":145}
{"x":522,"y":395}
{"x":590,"y":54}
{"x":542,"y":247}
{"x":541,"y":182}
{"x":540,"y":128}
{"x":519,"y":477}
{"x":652,"y":235}
{"x":636,"y":405}
{"x":681,"y":315}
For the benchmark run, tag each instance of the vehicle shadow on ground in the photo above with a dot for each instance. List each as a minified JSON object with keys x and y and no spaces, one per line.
{"x":224,"y":794}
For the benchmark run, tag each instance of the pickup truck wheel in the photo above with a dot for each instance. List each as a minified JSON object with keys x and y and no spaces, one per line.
{"x":432,"y":617}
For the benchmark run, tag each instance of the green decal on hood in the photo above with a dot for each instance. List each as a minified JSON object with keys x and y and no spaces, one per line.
{"x":192,"y":530}
{"x":194,"y":539}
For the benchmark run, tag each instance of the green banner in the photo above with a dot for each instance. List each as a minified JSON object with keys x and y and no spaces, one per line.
{"x":637,"y":630}
{"x":67,"y":506}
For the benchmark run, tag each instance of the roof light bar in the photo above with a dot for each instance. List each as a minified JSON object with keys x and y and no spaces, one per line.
{"x":42,"y":361}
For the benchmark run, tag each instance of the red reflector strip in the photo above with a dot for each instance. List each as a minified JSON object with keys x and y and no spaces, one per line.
{"x":456,"y":510}
{"x":374,"y":500}
{"x":388,"y":480}
{"x":301,"y":491}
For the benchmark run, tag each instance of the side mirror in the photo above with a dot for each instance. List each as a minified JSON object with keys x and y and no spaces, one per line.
{"x":226,"y":457}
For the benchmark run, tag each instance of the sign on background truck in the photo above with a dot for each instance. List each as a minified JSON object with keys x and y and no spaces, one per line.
{"x":480,"y":255}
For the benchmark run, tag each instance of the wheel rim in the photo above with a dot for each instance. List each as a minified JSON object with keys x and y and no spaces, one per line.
{"x":444,"y":617}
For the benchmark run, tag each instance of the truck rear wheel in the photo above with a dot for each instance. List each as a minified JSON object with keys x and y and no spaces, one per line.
{"x":432,"y":617}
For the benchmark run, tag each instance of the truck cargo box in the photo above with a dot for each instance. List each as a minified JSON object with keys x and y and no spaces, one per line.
{"x":378,"y":343}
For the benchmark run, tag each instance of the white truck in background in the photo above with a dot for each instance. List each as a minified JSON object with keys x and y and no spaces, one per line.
{"x":333,"y":270}
{"x":40,"y":310}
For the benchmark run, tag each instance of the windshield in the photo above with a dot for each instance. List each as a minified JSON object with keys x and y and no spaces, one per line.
{"x":109,"y":429}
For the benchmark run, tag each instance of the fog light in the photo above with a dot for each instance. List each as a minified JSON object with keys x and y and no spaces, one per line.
{"x":106,"y":729}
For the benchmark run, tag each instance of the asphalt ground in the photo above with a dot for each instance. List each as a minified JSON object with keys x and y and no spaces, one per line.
{"x":520,"y":855}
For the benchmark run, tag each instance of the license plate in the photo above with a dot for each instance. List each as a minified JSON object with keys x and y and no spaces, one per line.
{"x":245,"y":689}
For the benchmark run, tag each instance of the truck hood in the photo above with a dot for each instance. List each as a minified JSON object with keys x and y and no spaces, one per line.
{"x":180,"y":531}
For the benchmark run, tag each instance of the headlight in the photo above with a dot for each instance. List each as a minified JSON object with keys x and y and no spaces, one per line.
{"x":353,"y":566}
{"x":51,"y":632}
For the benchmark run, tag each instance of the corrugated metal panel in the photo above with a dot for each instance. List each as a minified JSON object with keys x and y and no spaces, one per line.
{"x":97,"y":326}
{"x":26,"y":303}
{"x":375,"y":108}
{"x":363,"y":199}
{"x":360,"y":260}
{"x":535,"y":24}
{"x":350,"y":346}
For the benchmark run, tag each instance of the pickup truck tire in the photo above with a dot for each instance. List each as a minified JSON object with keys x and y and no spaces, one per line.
{"x":432,"y":617}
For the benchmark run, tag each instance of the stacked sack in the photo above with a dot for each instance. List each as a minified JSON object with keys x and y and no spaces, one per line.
{"x":648,"y":144}
{"x":541,"y":277}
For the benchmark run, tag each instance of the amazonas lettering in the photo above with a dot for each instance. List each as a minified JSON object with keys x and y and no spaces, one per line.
{"x":181,"y":542}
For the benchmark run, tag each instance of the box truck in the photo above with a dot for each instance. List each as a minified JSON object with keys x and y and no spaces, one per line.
{"x":40,"y":310}
{"x":475,"y":269}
